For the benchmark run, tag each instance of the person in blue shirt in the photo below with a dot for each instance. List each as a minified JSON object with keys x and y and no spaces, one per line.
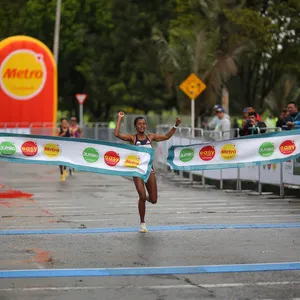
{"x":292,"y":121}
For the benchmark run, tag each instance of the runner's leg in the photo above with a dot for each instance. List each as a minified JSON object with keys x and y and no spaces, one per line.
{"x":65,"y":171}
{"x":140,"y":187}
{"x":152,"y":188}
{"x":62,"y":175}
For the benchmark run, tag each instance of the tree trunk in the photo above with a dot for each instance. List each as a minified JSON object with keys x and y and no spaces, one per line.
{"x":225,"y":99}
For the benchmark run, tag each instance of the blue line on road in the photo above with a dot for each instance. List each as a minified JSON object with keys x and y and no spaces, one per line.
{"x":150,"y":270}
{"x":153,"y":228}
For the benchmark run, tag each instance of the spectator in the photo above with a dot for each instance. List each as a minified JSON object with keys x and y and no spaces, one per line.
{"x":252,"y":125}
{"x":213,"y":123}
{"x":223,"y":123}
{"x":250,"y":109}
{"x":293,"y":115}
{"x":245,"y":117}
{"x":75,"y":129}
{"x":281,"y":119}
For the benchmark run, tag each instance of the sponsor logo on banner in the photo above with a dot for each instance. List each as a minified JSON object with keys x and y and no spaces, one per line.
{"x":111,"y":158}
{"x":207,"y":153}
{"x":287,"y":147}
{"x":266,"y":149}
{"x":7,"y":148}
{"x":51,"y":150}
{"x":132,"y":161}
{"x":228,"y":152}
{"x":90,"y":155}
{"x":29,"y":148}
{"x":23,"y":74}
{"x":186,"y":154}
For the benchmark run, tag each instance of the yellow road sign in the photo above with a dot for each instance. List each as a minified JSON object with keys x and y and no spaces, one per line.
{"x":193,"y":86}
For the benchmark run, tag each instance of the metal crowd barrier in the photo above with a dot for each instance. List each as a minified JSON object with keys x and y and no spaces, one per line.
{"x":183,"y":136}
{"x":97,"y":131}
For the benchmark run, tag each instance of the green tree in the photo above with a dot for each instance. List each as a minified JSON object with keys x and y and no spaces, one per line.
{"x":10,"y":16}
{"x":286,"y":89}
{"x":271,"y":28}
{"x":195,"y":44}
{"x":136,"y":53}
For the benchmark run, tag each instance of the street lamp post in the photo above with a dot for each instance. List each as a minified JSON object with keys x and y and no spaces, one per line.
{"x":57,"y":29}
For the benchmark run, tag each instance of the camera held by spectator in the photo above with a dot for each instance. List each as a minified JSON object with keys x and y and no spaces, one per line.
{"x":252,"y":125}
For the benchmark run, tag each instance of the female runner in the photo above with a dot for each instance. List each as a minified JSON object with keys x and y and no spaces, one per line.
{"x":63,"y":130}
{"x":144,"y":140}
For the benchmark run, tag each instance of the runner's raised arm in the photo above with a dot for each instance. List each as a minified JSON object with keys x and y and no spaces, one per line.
{"x":124,"y":137}
{"x":164,"y":137}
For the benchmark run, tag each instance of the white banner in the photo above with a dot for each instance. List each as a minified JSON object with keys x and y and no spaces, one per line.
{"x":254,"y":150}
{"x":82,"y":154}
{"x":291,"y":172}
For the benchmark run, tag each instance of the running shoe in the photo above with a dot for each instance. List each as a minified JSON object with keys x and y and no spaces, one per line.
{"x":143,"y":228}
{"x":62,"y":177}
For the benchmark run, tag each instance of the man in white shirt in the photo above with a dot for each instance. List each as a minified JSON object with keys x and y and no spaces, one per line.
{"x":212,"y":124}
{"x":223,"y":124}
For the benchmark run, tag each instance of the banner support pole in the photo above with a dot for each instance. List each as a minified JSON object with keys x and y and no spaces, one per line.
{"x":193,"y":117}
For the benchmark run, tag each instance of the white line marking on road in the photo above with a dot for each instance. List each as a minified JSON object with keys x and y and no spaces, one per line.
{"x":243,"y":216}
{"x":225,"y":205}
{"x":38,"y":226}
{"x":60,"y":207}
{"x":39,"y":200}
{"x":175,"y":217}
{"x":61,"y":211}
{"x":216,"y":210}
{"x":275,"y":299}
{"x":174,"y":202}
{"x":38,"y":214}
{"x":179,"y":286}
{"x":224,"y":285}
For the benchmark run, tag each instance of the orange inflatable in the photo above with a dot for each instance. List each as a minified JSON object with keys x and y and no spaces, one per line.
{"x":28,"y":82}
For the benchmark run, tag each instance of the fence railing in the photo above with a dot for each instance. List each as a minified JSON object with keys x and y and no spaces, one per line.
{"x":281,"y":175}
{"x":97,"y":131}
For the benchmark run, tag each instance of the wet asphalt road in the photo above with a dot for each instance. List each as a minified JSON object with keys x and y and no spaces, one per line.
{"x":89,"y":200}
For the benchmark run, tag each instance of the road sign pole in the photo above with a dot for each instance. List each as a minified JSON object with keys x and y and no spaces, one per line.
{"x":81,"y":115}
{"x":193,"y":117}
{"x":81,"y":98}
{"x":192,"y":87}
